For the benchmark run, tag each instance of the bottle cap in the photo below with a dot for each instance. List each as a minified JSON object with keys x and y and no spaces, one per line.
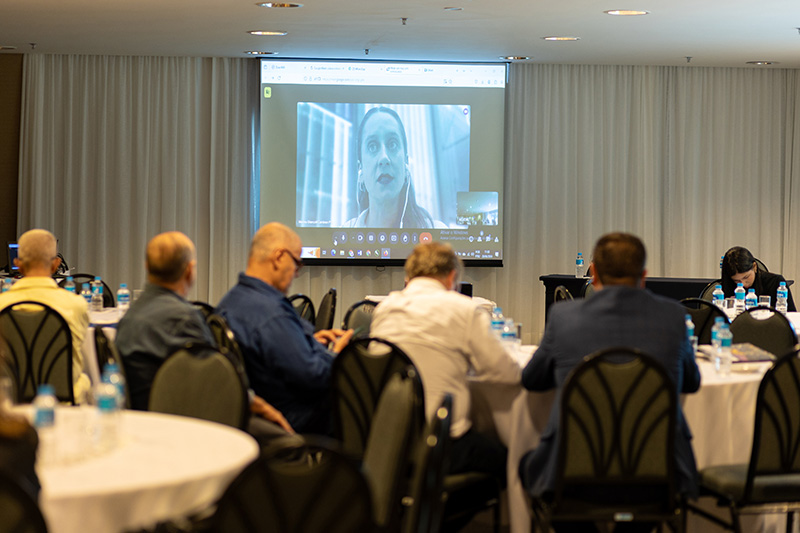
{"x":123,"y":285}
{"x":45,"y":388}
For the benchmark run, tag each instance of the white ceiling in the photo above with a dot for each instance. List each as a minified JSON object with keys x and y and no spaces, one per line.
{"x":712,"y":32}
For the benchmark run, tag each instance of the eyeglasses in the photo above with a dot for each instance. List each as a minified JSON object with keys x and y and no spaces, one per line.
{"x":298,"y":263}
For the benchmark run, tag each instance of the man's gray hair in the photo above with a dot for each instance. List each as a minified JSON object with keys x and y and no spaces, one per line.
{"x":37,"y":247}
{"x":433,"y":260}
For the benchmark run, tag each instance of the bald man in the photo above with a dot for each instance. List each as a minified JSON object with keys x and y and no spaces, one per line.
{"x":287,"y":363}
{"x":161,"y":320}
{"x":38,"y":261}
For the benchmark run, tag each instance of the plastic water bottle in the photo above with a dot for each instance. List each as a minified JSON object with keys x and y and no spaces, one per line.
{"x":782,"y":298}
{"x":718,"y":297}
{"x":123,"y":299}
{"x":509,"y":335}
{"x":112,"y":375}
{"x":498,"y":321}
{"x":750,"y":299}
{"x":690,"y":333}
{"x":87,"y":294}
{"x":44,"y":420}
{"x":718,"y":322}
{"x":724,"y":358}
{"x":69,"y":285}
{"x":738,"y":303}
{"x":107,"y":417}
{"x":6,"y":286}
{"x":96,"y":303}
{"x":579,"y":272}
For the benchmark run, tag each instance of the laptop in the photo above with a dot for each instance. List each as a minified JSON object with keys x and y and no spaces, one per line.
{"x":13,"y":252}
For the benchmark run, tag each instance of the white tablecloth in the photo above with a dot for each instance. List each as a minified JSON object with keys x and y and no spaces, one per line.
{"x":165,"y":467}
{"x":518,"y":418}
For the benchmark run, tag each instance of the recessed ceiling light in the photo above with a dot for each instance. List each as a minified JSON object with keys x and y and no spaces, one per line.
{"x":555,"y":38}
{"x":762,"y":62}
{"x":278,"y":4}
{"x":626,"y":12}
{"x":452,"y":8}
{"x":7,"y":47}
{"x":267,"y":32}
{"x":259,"y":53}
{"x":514,"y":58}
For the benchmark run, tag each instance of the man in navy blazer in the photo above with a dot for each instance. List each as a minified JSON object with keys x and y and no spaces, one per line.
{"x":619,"y":313}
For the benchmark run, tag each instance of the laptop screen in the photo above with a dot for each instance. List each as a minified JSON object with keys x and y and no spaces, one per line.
{"x":13,"y":249}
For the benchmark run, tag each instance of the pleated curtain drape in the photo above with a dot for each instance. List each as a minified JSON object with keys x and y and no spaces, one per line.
{"x":694,"y":160}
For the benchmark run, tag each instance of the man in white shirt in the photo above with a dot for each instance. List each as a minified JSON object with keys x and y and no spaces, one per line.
{"x":38,"y":261}
{"x":446,"y":334}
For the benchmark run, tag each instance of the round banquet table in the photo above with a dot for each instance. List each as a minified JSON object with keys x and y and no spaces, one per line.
{"x":164,"y":467}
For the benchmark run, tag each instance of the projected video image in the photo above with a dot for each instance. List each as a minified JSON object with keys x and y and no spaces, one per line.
{"x":381,"y":165}
{"x":477,"y":208}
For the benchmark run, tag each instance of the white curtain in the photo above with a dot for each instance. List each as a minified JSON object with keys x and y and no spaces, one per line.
{"x":117,"y":149}
{"x":693,"y":160}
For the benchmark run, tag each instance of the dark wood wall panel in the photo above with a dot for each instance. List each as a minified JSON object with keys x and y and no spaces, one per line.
{"x":10,"y":107}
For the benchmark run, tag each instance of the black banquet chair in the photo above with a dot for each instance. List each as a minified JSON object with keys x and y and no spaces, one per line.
{"x":561,"y":294}
{"x":327,"y":308}
{"x":424,"y":501}
{"x":588,"y":289}
{"x":770,"y":482}
{"x":204,"y":307}
{"x":302,"y":488}
{"x":359,"y":317}
{"x":708,"y":290}
{"x":201,"y":382}
{"x":304,"y":307}
{"x":19,"y":512}
{"x":387,"y":457}
{"x":80,"y":279}
{"x":359,"y":374}
{"x":766,"y":328}
{"x":703,"y":313}
{"x":38,"y":344}
{"x":224,"y":337}
{"x":615,"y":457}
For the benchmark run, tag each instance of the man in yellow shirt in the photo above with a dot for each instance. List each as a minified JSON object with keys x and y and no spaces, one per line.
{"x":37,"y":262}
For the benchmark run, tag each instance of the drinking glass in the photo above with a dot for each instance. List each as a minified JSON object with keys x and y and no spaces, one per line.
{"x":764,"y":300}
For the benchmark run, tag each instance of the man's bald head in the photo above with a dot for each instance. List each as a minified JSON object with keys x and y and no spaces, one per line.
{"x":168,"y":256}
{"x":271,"y":237}
{"x":275,"y":256}
{"x":37,"y":249}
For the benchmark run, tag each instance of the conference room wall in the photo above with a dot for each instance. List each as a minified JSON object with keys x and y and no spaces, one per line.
{"x":10,"y":96}
{"x":664,"y":152}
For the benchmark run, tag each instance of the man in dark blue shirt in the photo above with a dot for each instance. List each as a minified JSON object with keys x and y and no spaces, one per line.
{"x":287,"y":363}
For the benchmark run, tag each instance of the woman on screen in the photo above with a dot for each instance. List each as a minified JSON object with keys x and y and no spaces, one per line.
{"x":739,"y":266}
{"x":386,"y":197}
